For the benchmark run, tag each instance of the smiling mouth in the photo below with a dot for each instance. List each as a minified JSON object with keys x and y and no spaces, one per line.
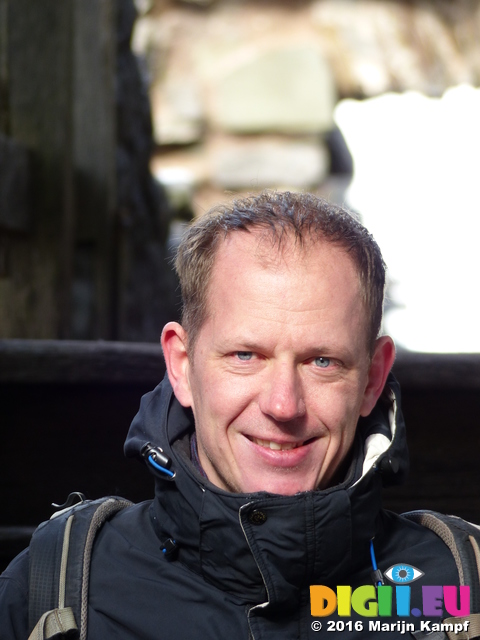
{"x":276,"y":446}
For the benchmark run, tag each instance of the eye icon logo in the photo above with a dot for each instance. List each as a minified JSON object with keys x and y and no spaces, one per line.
{"x":403,"y":573}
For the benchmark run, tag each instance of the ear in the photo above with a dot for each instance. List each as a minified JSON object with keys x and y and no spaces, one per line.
{"x":381,"y":363}
{"x":174,"y":345}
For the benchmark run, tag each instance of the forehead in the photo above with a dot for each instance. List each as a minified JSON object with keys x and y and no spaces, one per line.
{"x":313,"y":279}
{"x":259,"y":250}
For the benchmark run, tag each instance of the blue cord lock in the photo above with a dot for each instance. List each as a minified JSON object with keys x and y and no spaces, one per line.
{"x":170,"y":549}
{"x":157,"y":461}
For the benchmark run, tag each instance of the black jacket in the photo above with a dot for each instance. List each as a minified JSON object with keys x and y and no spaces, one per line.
{"x":242,"y":565}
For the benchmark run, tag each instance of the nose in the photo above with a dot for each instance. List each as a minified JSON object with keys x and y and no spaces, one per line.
{"x":281,"y":397}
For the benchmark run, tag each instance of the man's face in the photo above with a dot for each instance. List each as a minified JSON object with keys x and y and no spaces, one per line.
{"x":280,"y":366}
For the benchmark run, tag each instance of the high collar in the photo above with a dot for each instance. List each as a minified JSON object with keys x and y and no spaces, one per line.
{"x":263,"y":547}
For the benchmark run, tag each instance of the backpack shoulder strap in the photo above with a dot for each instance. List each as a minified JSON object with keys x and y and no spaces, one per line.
{"x":463,"y":540}
{"x":60,"y":554}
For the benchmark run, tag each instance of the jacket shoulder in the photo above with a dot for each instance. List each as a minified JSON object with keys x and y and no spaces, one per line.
{"x":462,"y":539}
{"x":20,"y":605}
{"x":14,"y":598}
{"x":411,"y":542}
{"x":60,"y":553}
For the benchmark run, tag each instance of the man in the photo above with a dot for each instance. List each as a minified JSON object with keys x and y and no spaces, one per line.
{"x":275,"y":431}
{"x":282,"y":358}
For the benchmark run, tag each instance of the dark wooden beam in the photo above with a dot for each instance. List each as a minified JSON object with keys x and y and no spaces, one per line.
{"x":79,"y":362}
{"x":56,"y":361}
{"x":438,"y":370}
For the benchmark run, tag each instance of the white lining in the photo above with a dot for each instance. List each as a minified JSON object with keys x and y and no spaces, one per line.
{"x":377,"y":443}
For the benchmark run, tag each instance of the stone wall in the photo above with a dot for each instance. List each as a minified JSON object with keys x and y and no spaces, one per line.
{"x":243,"y":92}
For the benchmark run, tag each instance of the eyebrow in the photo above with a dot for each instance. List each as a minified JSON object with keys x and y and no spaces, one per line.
{"x":234,"y":343}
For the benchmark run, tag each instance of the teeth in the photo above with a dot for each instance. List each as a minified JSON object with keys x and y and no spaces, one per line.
{"x":275,"y":445}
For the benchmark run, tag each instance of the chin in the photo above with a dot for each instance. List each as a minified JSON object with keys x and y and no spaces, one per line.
{"x":282,"y":487}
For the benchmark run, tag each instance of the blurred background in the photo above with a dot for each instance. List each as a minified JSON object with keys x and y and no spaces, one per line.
{"x":371,"y":104}
{"x":121,"y":120}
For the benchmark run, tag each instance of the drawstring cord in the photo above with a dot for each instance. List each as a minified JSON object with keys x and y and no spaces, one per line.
{"x":154,"y":464}
{"x":377,"y":575}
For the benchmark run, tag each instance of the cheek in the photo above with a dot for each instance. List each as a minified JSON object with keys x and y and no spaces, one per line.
{"x":217,"y":402}
{"x":233,"y":394}
{"x":337,"y":408}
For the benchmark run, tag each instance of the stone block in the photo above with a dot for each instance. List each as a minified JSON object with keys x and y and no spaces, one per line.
{"x":289,"y":90}
{"x":263,"y":163}
{"x":177,"y":112}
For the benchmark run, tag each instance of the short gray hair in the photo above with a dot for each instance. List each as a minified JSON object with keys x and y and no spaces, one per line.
{"x":281,"y":215}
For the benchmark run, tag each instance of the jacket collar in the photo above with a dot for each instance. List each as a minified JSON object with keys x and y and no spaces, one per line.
{"x":265,"y":548}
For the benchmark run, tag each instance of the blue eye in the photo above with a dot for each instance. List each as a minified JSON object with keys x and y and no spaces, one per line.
{"x":244,"y":355}
{"x":403,"y":573}
{"x":322,"y":362}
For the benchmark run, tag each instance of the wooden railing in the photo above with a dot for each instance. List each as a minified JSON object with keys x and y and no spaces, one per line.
{"x":66,"y":408}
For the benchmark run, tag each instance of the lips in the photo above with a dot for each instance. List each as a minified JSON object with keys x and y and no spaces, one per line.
{"x":265,"y":458}
{"x":278,"y":446}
